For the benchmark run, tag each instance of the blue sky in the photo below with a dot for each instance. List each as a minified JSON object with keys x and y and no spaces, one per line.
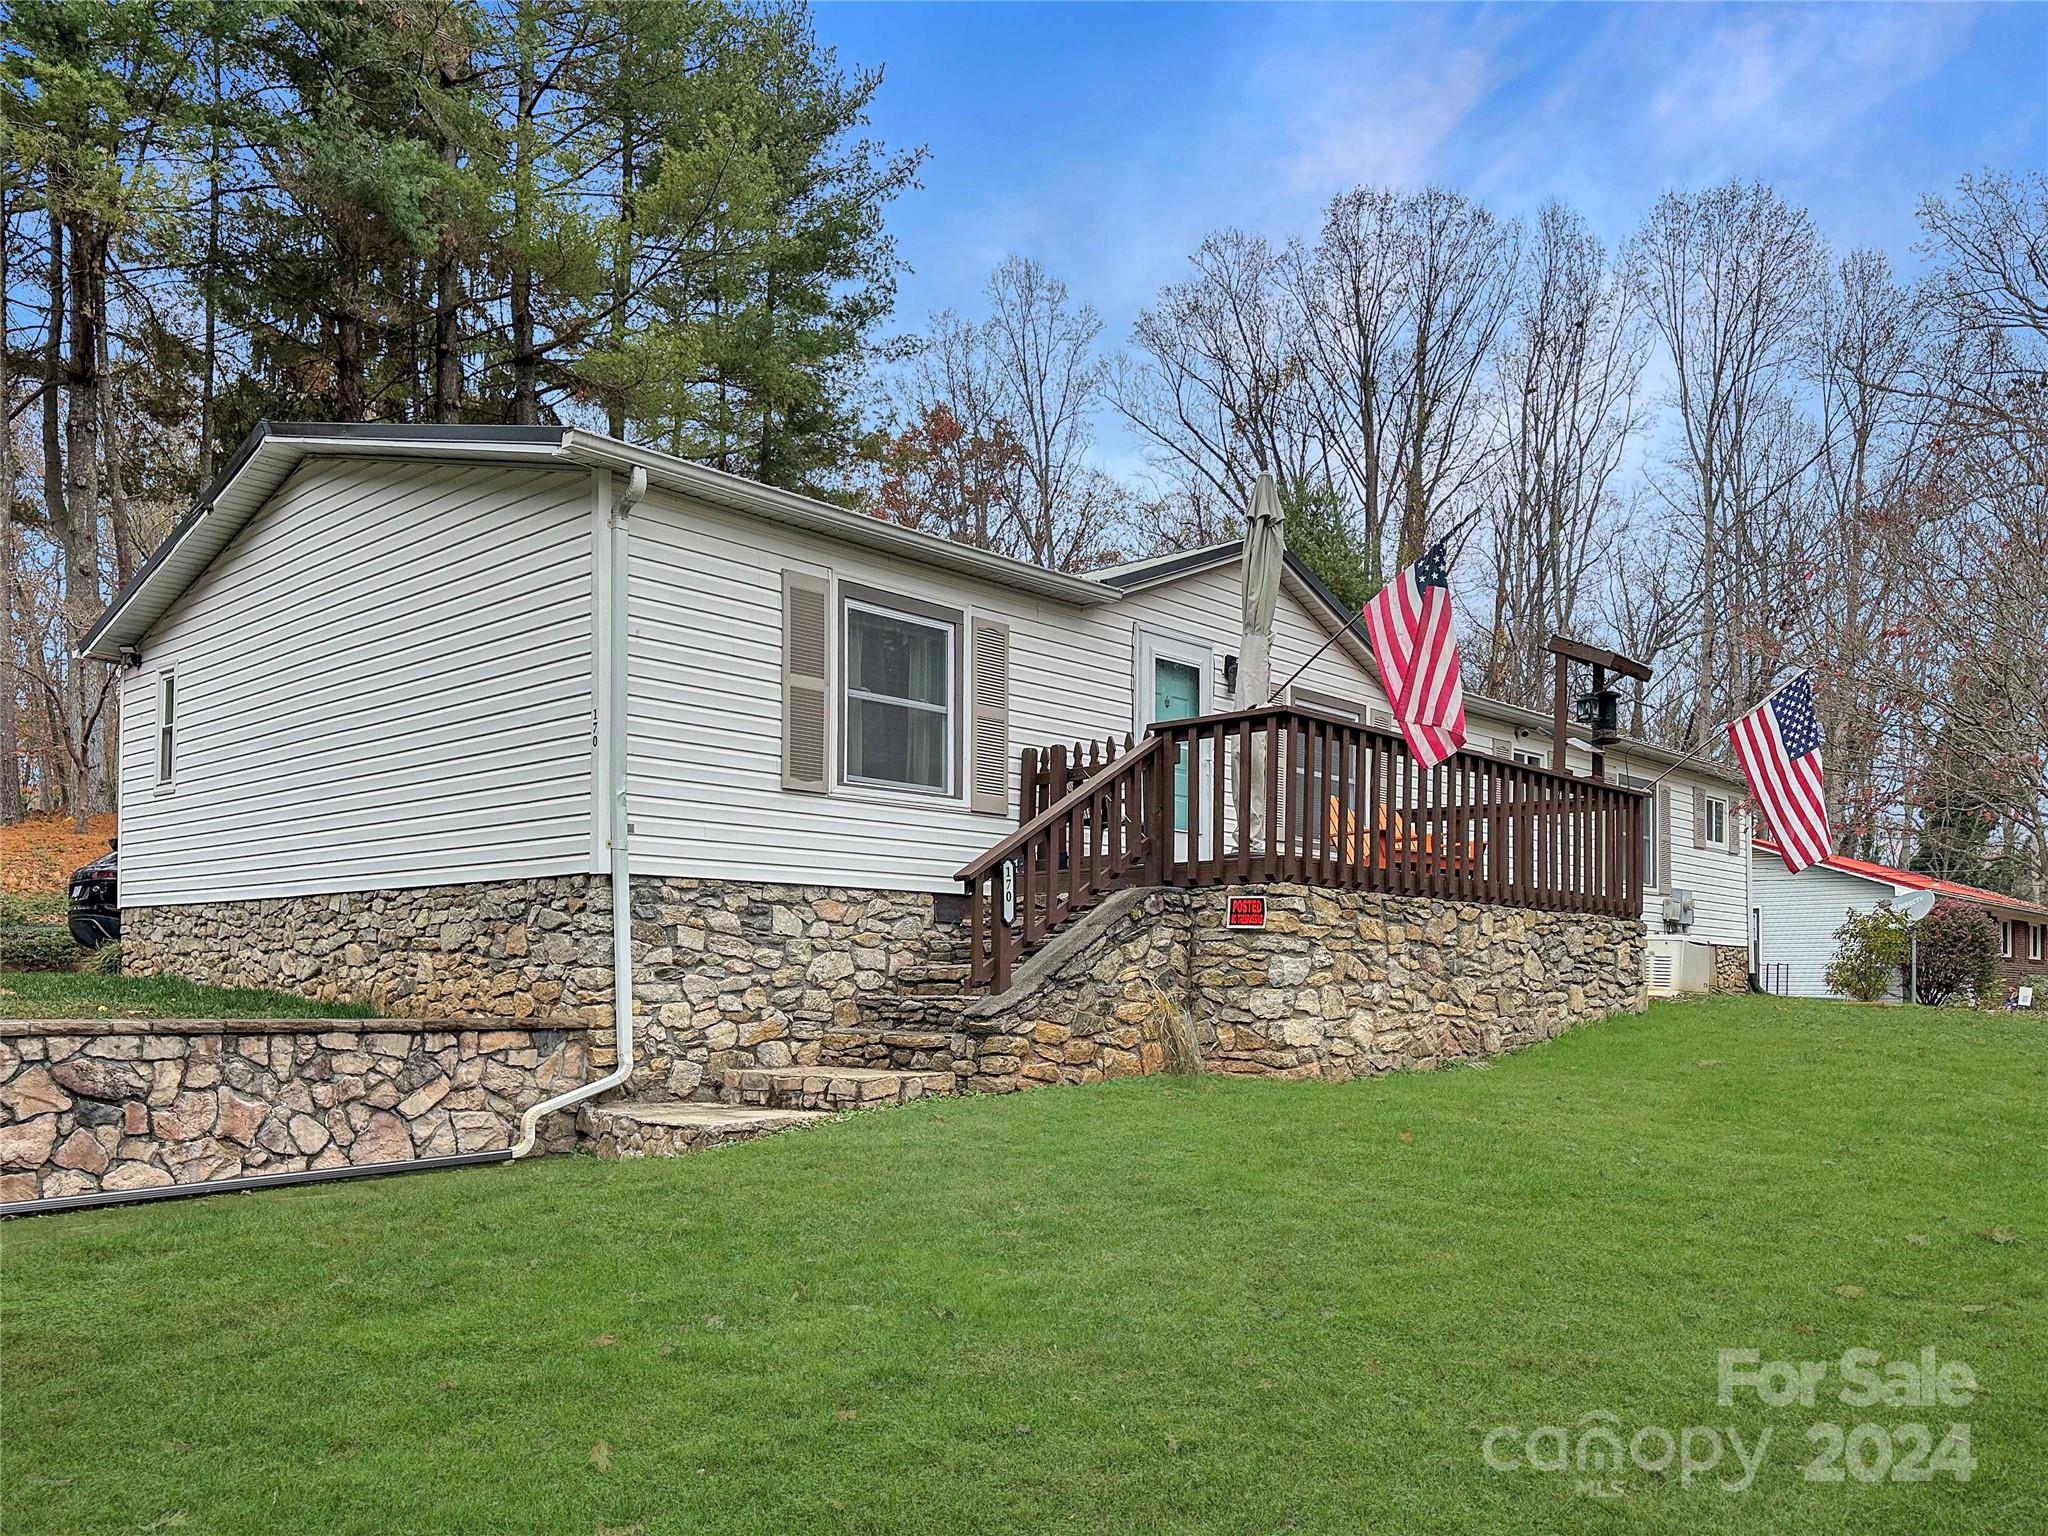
{"x":1107,"y":139}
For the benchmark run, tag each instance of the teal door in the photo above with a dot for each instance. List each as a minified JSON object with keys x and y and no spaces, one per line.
{"x":1177,"y":694}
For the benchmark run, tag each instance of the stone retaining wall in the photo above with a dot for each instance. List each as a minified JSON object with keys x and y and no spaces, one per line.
{"x":1343,"y":983}
{"x":1097,"y":1005}
{"x":1338,"y":984}
{"x":515,"y":949}
{"x":728,"y":974}
{"x":126,"y":1104}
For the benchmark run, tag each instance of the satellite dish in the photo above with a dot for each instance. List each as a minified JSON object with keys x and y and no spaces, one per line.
{"x":1917,"y":906}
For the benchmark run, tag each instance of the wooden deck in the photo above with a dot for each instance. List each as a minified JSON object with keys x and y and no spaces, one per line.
{"x":1288,"y":794}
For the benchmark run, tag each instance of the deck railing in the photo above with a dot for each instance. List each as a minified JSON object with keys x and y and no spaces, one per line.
{"x":1288,"y":794}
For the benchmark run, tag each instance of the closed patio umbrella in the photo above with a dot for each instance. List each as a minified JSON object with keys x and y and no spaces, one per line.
{"x":1265,"y":550}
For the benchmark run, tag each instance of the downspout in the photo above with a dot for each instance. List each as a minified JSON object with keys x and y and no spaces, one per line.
{"x":613,"y":553}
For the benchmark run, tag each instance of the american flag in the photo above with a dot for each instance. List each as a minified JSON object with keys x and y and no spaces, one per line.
{"x":1410,"y":626}
{"x":1778,"y":744}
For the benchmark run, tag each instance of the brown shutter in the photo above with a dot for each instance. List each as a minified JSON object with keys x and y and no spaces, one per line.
{"x":805,"y":646}
{"x":989,"y":720}
{"x":1699,"y":817}
{"x":1663,"y":837}
{"x":1737,"y":846}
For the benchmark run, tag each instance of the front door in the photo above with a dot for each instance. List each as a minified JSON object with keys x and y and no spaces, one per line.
{"x":1173,"y":684}
{"x":1176,"y":695}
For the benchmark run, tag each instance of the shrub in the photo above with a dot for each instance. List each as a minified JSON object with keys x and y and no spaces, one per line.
{"x":37,"y":949}
{"x":1870,"y":949}
{"x":1958,"y":954}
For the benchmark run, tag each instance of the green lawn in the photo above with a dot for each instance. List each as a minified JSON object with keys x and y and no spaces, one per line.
{"x":1151,"y":1305}
{"x":67,"y":995}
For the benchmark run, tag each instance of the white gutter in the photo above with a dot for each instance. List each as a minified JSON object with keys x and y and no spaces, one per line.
{"x":735,"y":493}
{"x":613,"y":553}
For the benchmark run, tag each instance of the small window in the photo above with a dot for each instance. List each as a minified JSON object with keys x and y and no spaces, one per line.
{"x":1717,"y":822}
{"x":166,"y":728}
{"x":1535,"y":757}
{"x":898,"y":698}
{"x":2034,"y":941}
{"x":2005,"y":938}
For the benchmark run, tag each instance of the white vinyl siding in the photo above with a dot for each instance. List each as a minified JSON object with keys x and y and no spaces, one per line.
{"x":706,"y":699}
{"x":1797,"y":918}
{"x":385,"y":681}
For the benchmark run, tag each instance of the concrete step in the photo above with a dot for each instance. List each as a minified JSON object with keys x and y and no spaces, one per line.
{"x":830,"y":1088}
{"x":665,"y":1128}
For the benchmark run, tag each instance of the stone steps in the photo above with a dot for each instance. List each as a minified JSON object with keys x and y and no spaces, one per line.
{"x":904,"y":1050}
{"x":669,"y":1129}
{"x":831,"y":1088}
{"x":940,"y":978}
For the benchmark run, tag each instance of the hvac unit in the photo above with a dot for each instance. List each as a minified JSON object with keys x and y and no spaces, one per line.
{"x":1672,"y":965}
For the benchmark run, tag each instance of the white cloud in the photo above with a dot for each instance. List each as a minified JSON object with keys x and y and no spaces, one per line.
{"x":1792,"y":80}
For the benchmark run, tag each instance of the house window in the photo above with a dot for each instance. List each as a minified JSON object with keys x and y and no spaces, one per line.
{"x":2005,"y":938}
{"x":2034,"y":941}
{"x":166,"y":728}
{"x":1534,"y":757}
{"x":1717,"y":822}
{"x":898,"y":696}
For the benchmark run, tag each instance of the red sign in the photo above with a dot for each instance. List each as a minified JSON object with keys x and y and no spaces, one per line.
{"x":1247,"y":912}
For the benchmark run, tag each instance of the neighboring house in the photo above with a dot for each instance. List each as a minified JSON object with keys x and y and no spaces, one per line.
{"x":397,"y":700}
{"x":1793,"y":919}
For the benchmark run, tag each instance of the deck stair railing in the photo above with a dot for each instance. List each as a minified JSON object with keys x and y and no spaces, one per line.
{"x":1290,"y":794}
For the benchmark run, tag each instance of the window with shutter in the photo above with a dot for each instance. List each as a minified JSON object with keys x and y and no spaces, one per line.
{"x":1659,"y":877}
{"x":805,"y":647}
{"x":990,"y":724}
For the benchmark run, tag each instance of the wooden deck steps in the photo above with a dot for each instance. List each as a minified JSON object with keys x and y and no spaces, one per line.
{"x":831,"y":1088}
{"x":667,"y":1128}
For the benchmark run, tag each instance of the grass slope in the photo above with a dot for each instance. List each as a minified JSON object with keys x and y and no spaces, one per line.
{"x":64,"y":995}
{"x":1150,"y":1305}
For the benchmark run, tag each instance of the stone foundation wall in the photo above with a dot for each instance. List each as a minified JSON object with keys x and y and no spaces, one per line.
{"x":733,"y":975}
{"x":728,"y":974}
{"x":1731,"y":968}
{"x":1337,"y":984}
{"x":514,"y":949}
{"x":91,"y":1105}
{"x":1341,"y":984}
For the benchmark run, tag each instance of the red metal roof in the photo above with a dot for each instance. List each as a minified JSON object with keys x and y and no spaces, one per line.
{"x":1917,"y":882}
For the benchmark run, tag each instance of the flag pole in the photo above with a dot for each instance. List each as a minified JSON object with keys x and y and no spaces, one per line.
{"x":1358,"y":618}
{"x":1778,"y":686}
{"x":1334,"y":638}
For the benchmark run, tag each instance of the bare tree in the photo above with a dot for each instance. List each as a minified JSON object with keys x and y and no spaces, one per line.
{"x":1728,"y":277}
{"x":1051,"y":381}
{"x":1000,"y":419}
{"x":1402,"y":301}
{"x":1565,"y":395}
{"x":1216,"y":386}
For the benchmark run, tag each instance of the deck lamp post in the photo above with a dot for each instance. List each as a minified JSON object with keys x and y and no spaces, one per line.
{"x":1599,"y":710}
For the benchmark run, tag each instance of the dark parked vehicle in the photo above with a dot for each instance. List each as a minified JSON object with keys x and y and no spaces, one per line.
{"x":95,"y":900}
